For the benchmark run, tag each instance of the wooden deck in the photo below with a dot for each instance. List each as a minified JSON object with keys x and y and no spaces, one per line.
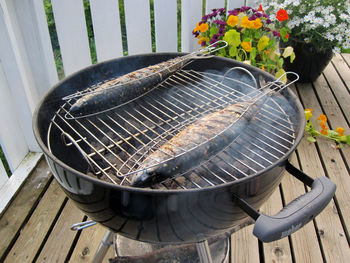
{"x":36,"y":225}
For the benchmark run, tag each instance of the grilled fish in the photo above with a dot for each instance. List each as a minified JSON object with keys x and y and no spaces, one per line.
{"x":199,"y":141}
{"x":127,"y":87}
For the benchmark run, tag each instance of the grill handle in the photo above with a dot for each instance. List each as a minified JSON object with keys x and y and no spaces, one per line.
{"x":295,"y":214}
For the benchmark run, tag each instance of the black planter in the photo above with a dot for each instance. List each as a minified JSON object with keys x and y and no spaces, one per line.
{"x":309,"y":62}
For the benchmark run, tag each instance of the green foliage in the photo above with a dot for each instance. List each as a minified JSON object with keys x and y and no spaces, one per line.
{"x":4,"y":161}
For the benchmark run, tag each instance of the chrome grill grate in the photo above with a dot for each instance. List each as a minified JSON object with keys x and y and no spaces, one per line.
{"x":115,"y":143}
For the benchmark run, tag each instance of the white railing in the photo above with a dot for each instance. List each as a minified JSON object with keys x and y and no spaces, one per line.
{"x":27,"y":64}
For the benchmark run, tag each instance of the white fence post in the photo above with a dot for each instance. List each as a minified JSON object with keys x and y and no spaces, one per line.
{"x":232,"y":4}
{"x":165,"y":20}
{"x":72,"y":34}
{"x":191,"y":13}
{"x":138,"y":26}
{"x":107,"y":31}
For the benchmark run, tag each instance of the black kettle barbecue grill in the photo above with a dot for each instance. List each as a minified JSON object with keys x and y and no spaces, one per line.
{"x":92,"y":157}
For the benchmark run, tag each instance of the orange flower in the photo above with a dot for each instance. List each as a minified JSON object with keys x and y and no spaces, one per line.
{"x":256,"y":24}
{"x":340,"y":131}
{"x":232,"y":20}
{"x":282,"y":15}
{"x":201,"y":27}
{"x":322,"y":118}
{"x":245,"y":22}
{"x":247,"y":46}
{"x":206,"y":39}
{"x":324,"y":129}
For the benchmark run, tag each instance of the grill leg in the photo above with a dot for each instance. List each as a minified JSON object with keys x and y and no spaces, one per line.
{"x":106,"y":241}
{"x":204,"y":252}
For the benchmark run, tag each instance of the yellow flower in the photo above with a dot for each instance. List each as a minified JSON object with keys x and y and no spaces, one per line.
{"x":340,"y":131}
{"x":206,"y":39}
{"x":308,"y":114}
{"x":232,"y":20}
{"x":256,"y":24}
{"x":263,"y":42}
{"x":245,"y":22}
{"x":247,"y":46}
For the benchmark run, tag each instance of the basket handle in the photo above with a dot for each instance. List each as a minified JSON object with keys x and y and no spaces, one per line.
{"x":295,"y":214}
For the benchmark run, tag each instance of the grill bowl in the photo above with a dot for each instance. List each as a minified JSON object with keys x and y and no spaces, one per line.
{"x":154,"y":215}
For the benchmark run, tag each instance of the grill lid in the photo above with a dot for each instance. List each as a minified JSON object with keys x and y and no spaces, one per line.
{"x":116,"y":143}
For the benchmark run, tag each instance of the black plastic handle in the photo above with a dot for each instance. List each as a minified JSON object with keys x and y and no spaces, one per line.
{"x":298,"y":212}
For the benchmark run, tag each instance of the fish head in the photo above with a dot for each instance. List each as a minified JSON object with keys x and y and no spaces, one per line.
{"x":143,"y":178}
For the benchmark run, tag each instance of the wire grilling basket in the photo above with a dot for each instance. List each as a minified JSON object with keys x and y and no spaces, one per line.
{"x":115,"y":143}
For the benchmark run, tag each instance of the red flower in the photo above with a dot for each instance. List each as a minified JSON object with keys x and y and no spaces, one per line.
{"x":282,"y":15}
{"x":287,"y":35}
{"x":261,"y":9}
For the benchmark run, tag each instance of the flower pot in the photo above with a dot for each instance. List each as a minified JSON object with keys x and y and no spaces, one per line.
{"x":309,"y":62}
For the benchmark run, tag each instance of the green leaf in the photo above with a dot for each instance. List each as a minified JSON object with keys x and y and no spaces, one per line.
{"x":280,"y":62}
{"x":232,"y":50}
{"x":348,"y":139}
{"x":280,"y":73}
{"x":292,"y":57}
{"x":288,"y":51}
{"x":222,"y":52}
{"x":253,"y":54}
{"x":271,"y":43}
{"x":332,"y":134}
{"x":232,"y":37}
{"x":213,"y":30}
{"x":311,"y":139}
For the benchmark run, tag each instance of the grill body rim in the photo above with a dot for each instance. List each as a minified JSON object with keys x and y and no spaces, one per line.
{"x":270,"y":176}
{"x":292,"y":98}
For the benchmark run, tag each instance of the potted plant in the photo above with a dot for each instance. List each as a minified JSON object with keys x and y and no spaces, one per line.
{"x":251,"y":36}
{"x":318,"y":28}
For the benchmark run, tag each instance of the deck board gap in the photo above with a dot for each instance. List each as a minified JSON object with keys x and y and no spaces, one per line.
{"x":261,"y":252}
{"x":291,"y":249}
{"x":319,"y":241}
{"x":75,"y":241}
{"x":341,"y":218}
{"x":50,"y":229}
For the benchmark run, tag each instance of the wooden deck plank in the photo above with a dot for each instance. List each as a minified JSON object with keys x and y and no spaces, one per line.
{"x":37,"y":227}
{"x":342,"y":96}
{"x":22,"y":206}
{"x":346,"y":57}
{"x":343,"y":69}
{"x":335,"y":107}
{"x":305,"y":244}
{"x":276,"y":251}
{"x":333,"y":238}
{"x":333,"y":159}
{"x":244,"y":246}
{"x":87,"y":244}
{"x":60,"y":241}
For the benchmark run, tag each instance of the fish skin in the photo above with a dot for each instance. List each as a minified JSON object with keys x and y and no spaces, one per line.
{"x":225,"y":123}
{"x":133,"y":85}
